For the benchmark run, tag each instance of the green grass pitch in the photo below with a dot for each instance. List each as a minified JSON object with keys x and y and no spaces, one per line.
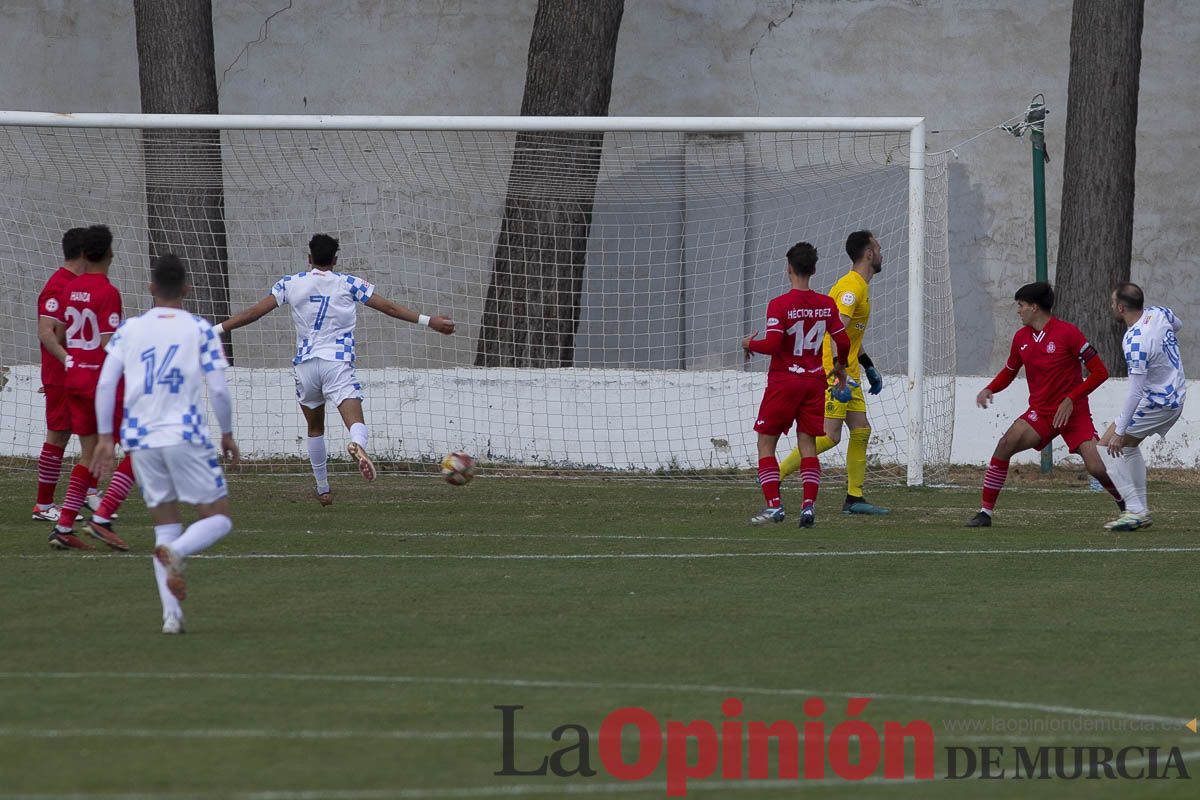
{"x":358,"y":652}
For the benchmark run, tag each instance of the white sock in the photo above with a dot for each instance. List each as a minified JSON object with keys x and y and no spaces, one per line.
{"x":1135,"y":465}
{"x":359,"y":434}
{"x":1118,"y":473}
{"x":166,"y":534}
{"x":319,"y":458}
{"x":202,"y":534}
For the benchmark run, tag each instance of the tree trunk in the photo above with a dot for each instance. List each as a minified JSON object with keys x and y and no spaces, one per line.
{"x":185,"y":195}
{"x":1096,"y":236}
{"x":534,"y":300}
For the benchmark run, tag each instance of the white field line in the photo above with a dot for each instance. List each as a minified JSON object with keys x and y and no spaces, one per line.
{"x":553,"y":787}
{"x":619,"y":556}
{"x":560,"y":788}
{"x":437,"y":736}
{"x":255,"y":733}
{"x":517,"y":683}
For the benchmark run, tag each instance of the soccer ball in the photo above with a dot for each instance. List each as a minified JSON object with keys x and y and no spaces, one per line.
{"x":458,"y":468}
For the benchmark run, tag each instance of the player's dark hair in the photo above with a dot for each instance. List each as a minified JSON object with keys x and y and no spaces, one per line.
{"x":169,"y":277}
{"x":802,"y":258}
{"x":97,"y":241}
{"x":323,"y":248}
{"x":1131,"y":296}
{"x":72,"y":243}
{"x":1039,"y":294}
{"x":857,"y":244}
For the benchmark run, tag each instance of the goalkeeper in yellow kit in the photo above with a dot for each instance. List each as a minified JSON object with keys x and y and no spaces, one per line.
{"x":854,"y":302}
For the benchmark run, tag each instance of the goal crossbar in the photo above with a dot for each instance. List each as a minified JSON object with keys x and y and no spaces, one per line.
{"x":456,"y":123}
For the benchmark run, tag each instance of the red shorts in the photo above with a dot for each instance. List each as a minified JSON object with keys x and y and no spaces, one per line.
{"x":1078,"y":429}
{"x":83,"y":415}
{"x":58,"y":414}
{"x":783,"y":403}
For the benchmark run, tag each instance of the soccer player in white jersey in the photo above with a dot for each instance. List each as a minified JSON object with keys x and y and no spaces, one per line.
{"x":324,"y":308}
{"x":166,"y":356}
{"x":1157,"y":388}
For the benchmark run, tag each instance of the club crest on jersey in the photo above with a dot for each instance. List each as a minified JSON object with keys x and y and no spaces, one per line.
{"x":52,"y":304}
{"x":1050,"y":348}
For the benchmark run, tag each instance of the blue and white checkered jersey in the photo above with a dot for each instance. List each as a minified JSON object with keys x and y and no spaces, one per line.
{"x":165,"y":354}
{"x":324,"y":311}
{"x":1152,"y":348}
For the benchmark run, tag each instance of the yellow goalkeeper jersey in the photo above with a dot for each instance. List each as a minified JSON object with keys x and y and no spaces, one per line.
{"x":853,"y":300}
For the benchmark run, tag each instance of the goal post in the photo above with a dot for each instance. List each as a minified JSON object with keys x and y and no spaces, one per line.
{"x":620,"y":259}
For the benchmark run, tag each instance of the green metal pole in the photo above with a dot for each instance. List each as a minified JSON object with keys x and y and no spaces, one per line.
{"x":1036,"y":117}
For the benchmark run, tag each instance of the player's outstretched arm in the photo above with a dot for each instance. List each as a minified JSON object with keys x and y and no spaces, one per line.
{"x":841,"y":342}
{"x":50,"y":334}
{"x":1006,"y":375}
{"x":443,"y":325}
{"x":218,"y":395}
{"x":252,"y":314}
{"x":873,"y":376}
{"x":106,"y":402}
{"x":1097,"y":374}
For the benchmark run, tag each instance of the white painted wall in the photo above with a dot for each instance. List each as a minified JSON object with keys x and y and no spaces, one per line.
{"x":581,"y":418}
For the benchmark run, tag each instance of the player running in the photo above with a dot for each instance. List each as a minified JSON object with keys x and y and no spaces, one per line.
{"x":797,"y":323}
{"x":90,"y":309}
{"x":323,"y":304}
{"x":165,"y":357}
{"x":1157,"y":388}
{"x":853,"y":300}
{"x":1051,"y":351}
{"x":54,"y":375}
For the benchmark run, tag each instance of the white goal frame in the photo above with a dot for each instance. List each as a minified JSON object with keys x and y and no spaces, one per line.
{"x":913,"y":126}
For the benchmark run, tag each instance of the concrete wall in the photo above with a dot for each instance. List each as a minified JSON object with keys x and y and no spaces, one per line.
{"x":965,"y":65}
{"x":597,"y":419}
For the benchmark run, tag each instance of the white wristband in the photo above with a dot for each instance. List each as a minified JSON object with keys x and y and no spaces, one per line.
{"x":423,"y":319}
{"x":218,"y":329}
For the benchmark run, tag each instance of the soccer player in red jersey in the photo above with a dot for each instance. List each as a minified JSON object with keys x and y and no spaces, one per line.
{"x":1052,"y":352}
{"x":90,"y":308}
{"x":797,"y":322}
{"x":54,"y":375}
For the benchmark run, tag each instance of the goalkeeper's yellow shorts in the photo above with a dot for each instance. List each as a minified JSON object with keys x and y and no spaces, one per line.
{"x":836,"y":410}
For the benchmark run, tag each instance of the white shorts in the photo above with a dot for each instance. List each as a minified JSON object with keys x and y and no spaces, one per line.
{"x":1149,"y":421}
{"x":184,"y":472}
{"x":320,"y":381}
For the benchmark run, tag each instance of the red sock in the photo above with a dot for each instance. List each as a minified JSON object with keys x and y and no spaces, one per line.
{"x":768,"y":478}
{"x":49,"y":472}
{"x":810,"y":474}
{"x":1107,"y":483}
{"x":993,"y":482}
{"x":81,"y":481}
{"x":118,"y":488}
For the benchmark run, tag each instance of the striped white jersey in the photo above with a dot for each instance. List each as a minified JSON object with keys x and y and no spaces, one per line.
{"x":1152,"y":349}
{"x":165,"y":355}
{"x":324,"y":309}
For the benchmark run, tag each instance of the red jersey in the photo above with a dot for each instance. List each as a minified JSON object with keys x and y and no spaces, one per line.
{"x":90,"y":308}
{"x":796,"y":326}
{"x":50,"y":305}
{"x":1053,"y":359}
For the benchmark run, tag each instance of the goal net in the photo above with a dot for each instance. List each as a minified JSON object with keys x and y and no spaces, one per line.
{"x":601,"y":272}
